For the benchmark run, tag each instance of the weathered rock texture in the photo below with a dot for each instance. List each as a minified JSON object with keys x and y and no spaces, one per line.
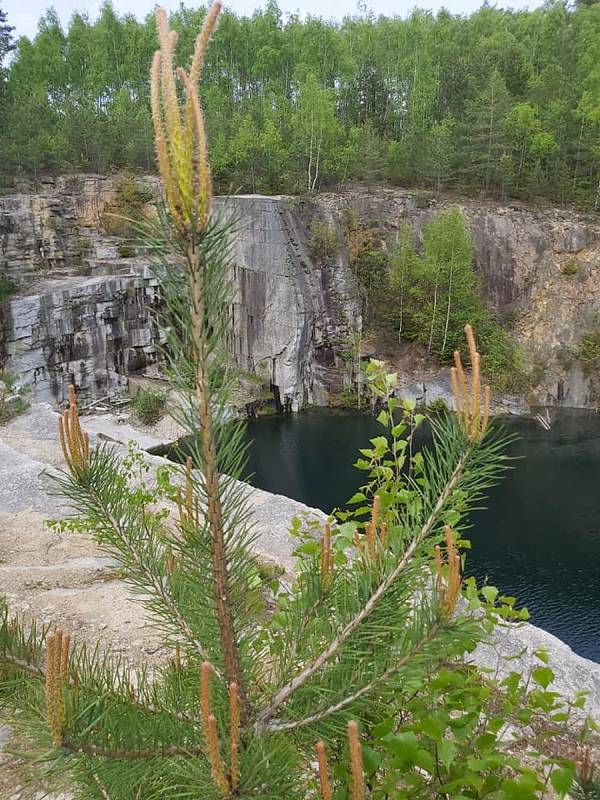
{"x":539,"y":268}
{"x":296,"y":316}
{"x":293,"y":320}
{"x":92,"y":332}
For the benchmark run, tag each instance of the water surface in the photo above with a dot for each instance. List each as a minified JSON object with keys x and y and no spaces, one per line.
{"x":539,"y":538}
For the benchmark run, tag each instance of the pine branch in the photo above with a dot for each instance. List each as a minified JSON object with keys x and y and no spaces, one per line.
{"x":152,"y":579}
{"x":299,"y":680}
{"x":214,"y":510}
{"x":319,"y":716}
{"x":106,"y":752}
{"x":185,"y":171}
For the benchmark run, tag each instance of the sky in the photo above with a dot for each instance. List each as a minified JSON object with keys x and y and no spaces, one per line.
{"x":24,"y":14}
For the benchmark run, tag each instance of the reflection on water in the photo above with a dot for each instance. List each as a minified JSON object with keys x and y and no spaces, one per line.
{"x":540,"y":537}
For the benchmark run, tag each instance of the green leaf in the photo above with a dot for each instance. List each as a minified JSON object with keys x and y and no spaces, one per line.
{"x":359,"y":497}
{"x":380,"y":443}
{"x":446,"y":752}
{"x":490,"y":593}
{"x":433,"y":728}
{"x":403,"y":745}
{"x":371,"y":760}
{"x":308,"y":548}
{"x":522,"y":788}
{"x":424,"y":759}
{"x":383,"y":728}
{"x":543,"y":676}
{"x":383,"y":418}
{"x":561,"y":780}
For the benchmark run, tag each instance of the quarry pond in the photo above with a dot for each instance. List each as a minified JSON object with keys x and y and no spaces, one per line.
{"x":539,"y":538}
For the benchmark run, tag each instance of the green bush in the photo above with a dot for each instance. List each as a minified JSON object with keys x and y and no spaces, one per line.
{"x":125,"y":250}
{"x":131,"y":196}
{"x":7,"y":288}
{"x":501,"y":359}
{"x":588,"y":349}
{"x":126,"y":208}
{"x":324,"y":240}
{"x":8,"y":388}
{"x":148,"y":406}
{"x":371,"y":270}
{"x":569,"y":268}
{"x":422,"y":199}
{"x":438,"y":406}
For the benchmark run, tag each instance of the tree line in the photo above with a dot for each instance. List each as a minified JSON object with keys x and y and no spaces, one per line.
{"x":500,"y":102}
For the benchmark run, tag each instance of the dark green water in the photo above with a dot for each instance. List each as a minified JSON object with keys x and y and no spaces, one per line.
{"x":539,"y":539}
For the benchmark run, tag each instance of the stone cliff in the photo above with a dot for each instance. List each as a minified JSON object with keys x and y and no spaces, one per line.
{"x":539,"y":268}
{"x":83,"y":306}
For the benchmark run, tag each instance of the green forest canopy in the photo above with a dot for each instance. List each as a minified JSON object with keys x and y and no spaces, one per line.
{"x":502,"y":102}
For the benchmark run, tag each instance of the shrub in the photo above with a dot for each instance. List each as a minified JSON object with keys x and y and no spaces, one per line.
{"x":126,"y":208}
{"x":501,"y":359}
{"x":7,"y":287}
{"x":131,"y":195}
{"x":12,"y":398}
{"x":437,"y":406}
{"x":125,"y":250}
{"x":569,"y":268}
{"x":148,"y":405}
{"x":371,"y":269}
{"x":84,"y":246}
{"x":324,"y":241}
{"x":422,"y":199}
{"x":588,"y":349}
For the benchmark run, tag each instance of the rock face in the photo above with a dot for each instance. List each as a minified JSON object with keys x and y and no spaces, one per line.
{"x":539,"y":268}
{"x":82,"y":312}
{"x":92,"y":333}
{"x":292,"y":317}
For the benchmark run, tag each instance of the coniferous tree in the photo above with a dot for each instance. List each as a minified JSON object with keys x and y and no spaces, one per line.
{"x":6,"y":45}
{"x":498,"y":102}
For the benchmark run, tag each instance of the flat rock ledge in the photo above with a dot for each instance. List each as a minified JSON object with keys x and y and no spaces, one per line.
{"x":66,"y":579}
